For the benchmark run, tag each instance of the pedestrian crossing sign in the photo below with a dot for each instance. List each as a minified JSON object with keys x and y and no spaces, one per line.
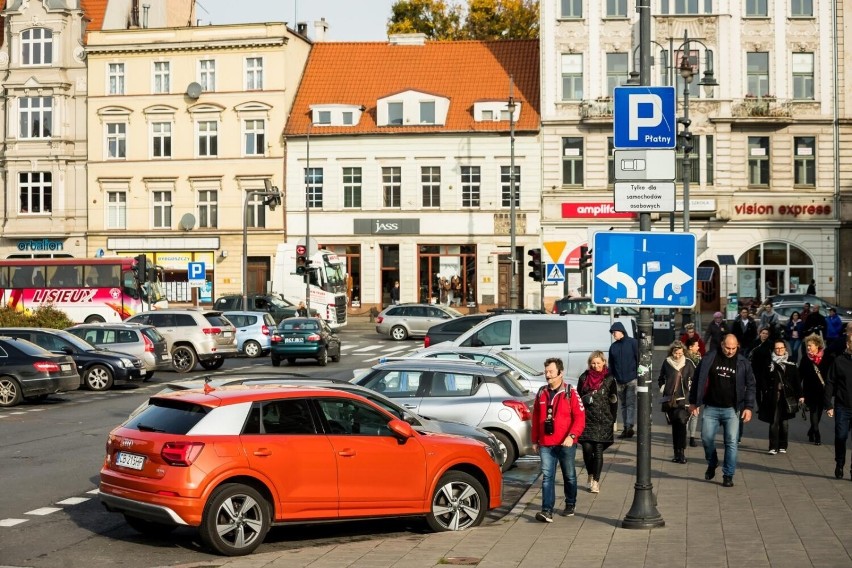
{"x":555,"y":272}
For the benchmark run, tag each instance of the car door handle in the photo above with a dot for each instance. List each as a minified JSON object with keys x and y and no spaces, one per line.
{"x":347,"y":453}
{"x":263,"y":452}
{"x":410,"y":406}
{"x":526,"y":347}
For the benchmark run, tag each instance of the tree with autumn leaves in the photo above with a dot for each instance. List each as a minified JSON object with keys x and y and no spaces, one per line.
{"x":480,"y":19}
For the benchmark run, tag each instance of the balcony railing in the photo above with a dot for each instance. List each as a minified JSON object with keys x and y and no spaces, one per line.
{"x":596,"y":108}
{"x":762,"y":107}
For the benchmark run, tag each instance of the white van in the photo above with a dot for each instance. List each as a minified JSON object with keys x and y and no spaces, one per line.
{"x":533,"y":338}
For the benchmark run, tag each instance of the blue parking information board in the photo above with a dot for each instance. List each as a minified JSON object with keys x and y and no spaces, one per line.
{"x":644,"y":269}
{"x":644,"y":117}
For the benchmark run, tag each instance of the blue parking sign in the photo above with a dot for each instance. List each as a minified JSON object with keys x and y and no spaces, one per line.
{"x":644,"y":117}
{"x":196,"y":271}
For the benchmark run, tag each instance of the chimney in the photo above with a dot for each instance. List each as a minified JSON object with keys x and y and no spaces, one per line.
{"x":407,"y":39}
{"x":320,"y":29}
{"x":302,"y":29}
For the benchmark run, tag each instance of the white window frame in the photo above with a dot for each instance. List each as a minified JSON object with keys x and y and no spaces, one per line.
{"x":392,"y":117}
{"x":29,"y":44}
{"x":158,"y":133}
{"x":254,"y":73}
{"x":161,"y":209}
{"x":116,"y":210}
{"x":256,"y":211}
{"x":353,"y":185}
{"x":37,"y":186}
{"x":209,"y":135}
{"x":115,"y":78}
{"x":40,"y":108}
{"x":430,"y":186}
{"x":207,"y":74}
{"x":115,"y":139}
{"x":571,"y":68}
{"x":254,"y":136}
{"x":162,"y":77}
{"x":208,"y":208}
{"x":427,"y":108}
{"x":471,"y":186}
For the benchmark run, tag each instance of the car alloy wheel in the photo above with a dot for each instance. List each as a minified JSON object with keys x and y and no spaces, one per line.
{"x":398,"y":333}
{"x":459,"y":502}
{"x":511,"y":453}
{"x":252,"y":349}
{"x":10,"y":392}
{"x":236,"y":520}
{"x":97,"y":378}
{"x":184,"y":358}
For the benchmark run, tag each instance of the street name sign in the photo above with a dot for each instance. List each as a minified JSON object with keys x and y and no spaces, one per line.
{"x":644,"y":269}
{"x":644,"y":117}
{"x":644,"y":196}
{"x":644,"y":165}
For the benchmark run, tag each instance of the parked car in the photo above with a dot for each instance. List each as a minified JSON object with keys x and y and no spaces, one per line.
{"x":142,"y":341}
{"x":254,"y":330}
{"x":222,"y":460}
{"x":402,"y":321}
{"x":474,"y":393}
{"x":304,"y":338}
{"x":532,"y":379}
{"x":274,"y":304}
{"x":99,"y":368}
{"x":29,"y":372}
{"x":449,"y":330}
{"x":799,"y":300}
{"x":195,"y":335}
{"x":584,"y":306}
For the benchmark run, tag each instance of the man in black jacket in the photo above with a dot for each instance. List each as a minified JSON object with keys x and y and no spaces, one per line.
{"x":814,"y":321}
{"x":745,"y":328}
{"x":624,"y":365}
{"x":838,"y":386}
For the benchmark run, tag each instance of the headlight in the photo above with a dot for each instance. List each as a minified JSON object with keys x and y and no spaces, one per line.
{"x":127,"y":363}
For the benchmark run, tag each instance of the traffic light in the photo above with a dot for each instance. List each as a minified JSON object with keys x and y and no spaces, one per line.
{"x":301,"y":264}
{"x":685,"y":137}
{"x":535,"y":263}
{"x":141,"y":268}
{"x":585,"y":257}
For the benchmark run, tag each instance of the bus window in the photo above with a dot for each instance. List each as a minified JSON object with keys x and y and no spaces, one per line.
{"x":129,"y":284}
{"x":38,"y":278}
{"x":4,"y":276}
{"x":102,"y":276}
{"x":63,"y":277}
{"x":22,"y":276}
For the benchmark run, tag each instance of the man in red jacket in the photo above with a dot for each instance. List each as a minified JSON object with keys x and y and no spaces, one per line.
{"x":558,"y":420}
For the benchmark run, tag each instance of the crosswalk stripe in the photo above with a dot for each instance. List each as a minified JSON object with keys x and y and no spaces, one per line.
{"x":368,"y":348}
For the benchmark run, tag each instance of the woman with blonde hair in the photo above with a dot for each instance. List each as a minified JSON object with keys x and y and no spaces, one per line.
{"x":599,"y":393}
{"x":813,"y":369}
{"x":675,"y":380}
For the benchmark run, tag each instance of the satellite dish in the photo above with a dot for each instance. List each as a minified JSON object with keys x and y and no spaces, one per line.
{"x":193,"y":90}
{"x":187,"y":222}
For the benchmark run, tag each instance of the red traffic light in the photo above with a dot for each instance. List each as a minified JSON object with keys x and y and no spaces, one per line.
{"x":301,"y":250}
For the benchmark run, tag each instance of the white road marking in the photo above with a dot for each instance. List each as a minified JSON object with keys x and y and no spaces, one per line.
{"x":368,"y":348}
{"x":42,"y":511}
{"x":11,"y":522}
{"x":73,"y":501}
{"x":93,"y":491}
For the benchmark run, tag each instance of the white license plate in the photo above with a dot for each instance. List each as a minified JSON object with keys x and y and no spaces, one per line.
{"x":227,"y":333}
{"x":165,"y":357}
{"x":132,"y":461}
{"x":65,"y":367}
{"x":294,"y":340}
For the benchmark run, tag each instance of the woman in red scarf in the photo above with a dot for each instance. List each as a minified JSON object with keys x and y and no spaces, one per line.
{"x":599,"y":393}
{"x":813,"y":370}
{"x":675,"y":380}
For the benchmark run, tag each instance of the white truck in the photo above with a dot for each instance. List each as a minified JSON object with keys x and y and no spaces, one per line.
{"x":325,"y":280}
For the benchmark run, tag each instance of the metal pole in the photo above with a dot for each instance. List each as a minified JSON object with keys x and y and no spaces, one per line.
{"x":245,"y":252}
{"x":643,"y":512}
{"x":513,"y":278}
{"x":687,"y":163}
{"x":308,"y":218}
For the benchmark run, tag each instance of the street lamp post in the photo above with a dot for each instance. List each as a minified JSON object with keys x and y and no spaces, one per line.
{"x":308,"y":178}
{"x":513,"y":278}
{"x":272,"y":198}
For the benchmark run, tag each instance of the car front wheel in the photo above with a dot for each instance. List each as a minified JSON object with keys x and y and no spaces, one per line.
{"x":459,"y":503}
{"x":235,"y":521}
{"x":184,"y":358}
{"x":10,"y":392}
{"x":511,"y":453}
{"x":322,"y":358}
{"x":398,"y":333}
{"x":97,"y":378}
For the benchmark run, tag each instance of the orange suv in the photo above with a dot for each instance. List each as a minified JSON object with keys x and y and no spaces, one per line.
{"x":233,"y":461}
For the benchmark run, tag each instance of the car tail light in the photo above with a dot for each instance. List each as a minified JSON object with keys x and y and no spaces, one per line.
{"x":519,"y":407}
{"x":553,"y":310}
{"x":212,"y":330}
{"x":426,"y":341}
{"x":149,"y":345}
{"x":379,"y":319}
{"x":313,"y":337}
{"x":264,"y":330}
{"x":46,"y":366}
{"x":181,"y":453}
{"x":276,"y":338}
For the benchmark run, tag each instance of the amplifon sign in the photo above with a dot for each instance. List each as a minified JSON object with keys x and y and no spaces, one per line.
{"x":603,"y":210}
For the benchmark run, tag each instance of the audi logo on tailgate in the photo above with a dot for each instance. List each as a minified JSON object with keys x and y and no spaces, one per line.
{"x":126,"y":443}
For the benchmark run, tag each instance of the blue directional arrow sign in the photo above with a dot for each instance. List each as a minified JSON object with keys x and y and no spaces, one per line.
{"x":554,"y":272}
{"x":654,"y":270}
{"x":644,"y":117}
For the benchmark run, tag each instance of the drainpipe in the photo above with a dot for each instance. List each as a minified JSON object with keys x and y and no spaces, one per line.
{"x":836,"y":149}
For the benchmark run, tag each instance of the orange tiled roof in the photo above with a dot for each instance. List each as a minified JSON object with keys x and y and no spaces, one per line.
{"x":463,"y":71}
{"x":94,"y":11}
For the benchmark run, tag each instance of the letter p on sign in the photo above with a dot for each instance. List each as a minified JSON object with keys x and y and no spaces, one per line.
{"x":635,"y":121}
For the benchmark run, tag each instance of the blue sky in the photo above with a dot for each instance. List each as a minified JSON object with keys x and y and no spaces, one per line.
{"x":349,"y":20}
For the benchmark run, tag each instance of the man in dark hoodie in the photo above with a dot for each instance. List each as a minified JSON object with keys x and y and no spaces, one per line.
{"x":624,"y":364}
{"x":838,"y":401}
{"x":726,"y":388}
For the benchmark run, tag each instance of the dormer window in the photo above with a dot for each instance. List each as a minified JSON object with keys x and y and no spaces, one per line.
{"x":336,"y":114}
{"x":395,"y":113}
{"x":324,"y":117}
{"x":427,"y":112}
{"x":490,"y":111}
{"x":347,"y":118}
{"x":487,"y":115}
{"x":412,"y":109}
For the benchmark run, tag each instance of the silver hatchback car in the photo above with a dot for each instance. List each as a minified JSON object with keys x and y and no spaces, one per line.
{"x":142,"y":341}
{"x":412,"y":320}
{"x":254,"y":330}
{"x":475,"y":394}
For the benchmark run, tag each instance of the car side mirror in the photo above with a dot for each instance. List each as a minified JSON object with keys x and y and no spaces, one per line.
{"x":401,"y":429}
{"x":67,"y":350}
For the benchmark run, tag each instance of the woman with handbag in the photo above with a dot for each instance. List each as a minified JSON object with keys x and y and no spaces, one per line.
{"x":599,"y":393}
{"x":812,"y":371}
{"x":782,"y":394}
{"x":675,"y":380}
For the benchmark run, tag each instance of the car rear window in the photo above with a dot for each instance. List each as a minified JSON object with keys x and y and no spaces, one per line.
{"x":169,"y":416}
{"x":29,"y":348}
{"x":152,"y":334}
{"x":217,"y":320}
{"x":510,"y":384}
{"x":299,"y":326}
{"x":538,"y":331}
{"x":237,"y":320}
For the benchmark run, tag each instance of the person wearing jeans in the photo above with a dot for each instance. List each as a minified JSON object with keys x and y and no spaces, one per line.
{"x":624,"y":366}
{"x":838,"y":401}
{"x":726,"y":389}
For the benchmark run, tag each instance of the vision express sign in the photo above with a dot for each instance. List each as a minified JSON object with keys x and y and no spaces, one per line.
{"x":387,"y":226}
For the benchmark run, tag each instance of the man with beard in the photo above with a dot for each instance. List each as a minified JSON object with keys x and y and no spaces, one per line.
{"x":726,"y":388}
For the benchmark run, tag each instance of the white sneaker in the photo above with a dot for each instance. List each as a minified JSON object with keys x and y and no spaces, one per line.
{"x":590,"y":481}
{"x":782,"y":451}
{"x":595,"y":487}
{"x":772,"y":452}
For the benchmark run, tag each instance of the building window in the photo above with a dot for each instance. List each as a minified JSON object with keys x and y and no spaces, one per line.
{"x":505,"y":186}
{"x":572,"y":161}
{"x":161,"y":76}
{"x":757,"y":70}
{"x":161,"y":139}
{"x":758,"y":160}
{"x":208,"y":138}
{"x":802,"y":8}
{"x":447,"y":261}
{"x":395,"y":113}
{"x":347,"y":117}
{"x":116,"y":210}
{"x":162,"y":209}
{"x":572,"y":76}
{"x":207,"y":75}
{"x":254,"y":73}
{"x":427,"y":112}
{"x":756,"y":9}
{"x":391,"y":187}
{"x":256,"y":212}
{"x":115,"y":78}
{"x":571,"y":9}
{"x":324,"y":117}
{"x":36,"y":117}
{"x":616,"y":8}
{"x":685,"y":7}
{"x":352,"y":187}
{"x":470,"y":186}
{"x":803,"y":76}
{"x":208,"y":208}
{"x":708,"y":159}
{"x":254,"y":137}
{"x":36,"y":191}
{"x":430,"y":179}
{"x":313,"y":182}
{"x":804,"y":161}
{"x":116,"y":140}
{"x":37,"y":46}
{"x":616,"y":71}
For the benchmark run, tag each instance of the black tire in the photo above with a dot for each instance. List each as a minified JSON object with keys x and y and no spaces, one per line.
{"x":94,"y":319}
{"x":398,"y":333}
{"x":184,"y":358}
{"x":252,"y":349}
{"x":247,"y":530}
{"x":149,"y":528}
{"x":336,"y":358}
{"x":458,"y":503}
{"x":322,"y":357}
{"x":212,"y":364}
{"x":37,"y":398}
{"x":148,"y":376}
{"x":10,"y":392}
{"x":276,"y":361}
{"x":511,"y":452}
{"x":98,"y":378}
{"x":291,"y":360}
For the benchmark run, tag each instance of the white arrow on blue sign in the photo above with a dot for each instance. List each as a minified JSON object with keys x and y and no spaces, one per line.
{"x":644,"y":117}
{"x":646,"y":269}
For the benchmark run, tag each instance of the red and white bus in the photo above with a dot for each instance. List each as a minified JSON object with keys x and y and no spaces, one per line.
{"x":87,"y":289}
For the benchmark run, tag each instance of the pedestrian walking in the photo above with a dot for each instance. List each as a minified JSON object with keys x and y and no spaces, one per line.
{"x":745,"y":328}
{"x":689,"y":333}
{"x":676,"y":376}
{"x":693,"y":426}
{"x":812,"y":371}
{"x":794,"y":332}
{"x":725,"y":387}
{"x":838,"y":401}
{"x":558,"y":420}
{"x":833,"y":326}
{"x":599,"y":394}
{"x":394,"y":293}
{"x":781,"y":395}
{"x":769,"y":320}
{"x":716,"y":329}
{"x":760,"y":356}
{"x":815,"y":322}
{"x":301,"y":310}
{"x":624,"y":365}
